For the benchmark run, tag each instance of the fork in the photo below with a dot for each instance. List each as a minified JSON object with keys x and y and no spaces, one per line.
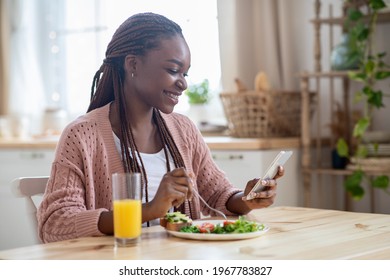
{"x":208,"y":206}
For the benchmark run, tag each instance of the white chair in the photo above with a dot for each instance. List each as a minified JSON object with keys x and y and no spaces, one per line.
{"x":31,"y":189}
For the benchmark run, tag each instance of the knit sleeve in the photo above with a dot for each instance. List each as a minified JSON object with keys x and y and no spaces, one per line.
{"x":62,"y":213}
{"x":70,"y":207}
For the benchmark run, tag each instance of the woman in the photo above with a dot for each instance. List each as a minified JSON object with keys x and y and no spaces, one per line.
{"x":130,"y":127}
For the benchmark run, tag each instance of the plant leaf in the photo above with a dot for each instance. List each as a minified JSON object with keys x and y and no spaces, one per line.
{"x":357,"y":76}
{"x":357,"y":193}
{"x":354,"y":14}
{"x":381,"y":75}
{"x":367,"y":90}
{"x":360,"y":127}
{"x":375,"y":98}
{"x":369,"y":67}
{"x":362,"y":34}
{"x":381,"y":55}
{"x":377,"y":4}
{"x":354,"y":179}
{"x":381,"y":182}
{"x":353,"y":184}
{"x":362,"y":151}
{"x":342,"y":147}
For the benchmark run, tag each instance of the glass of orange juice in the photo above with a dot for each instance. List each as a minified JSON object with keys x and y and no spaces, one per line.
{"x":126,"y":194}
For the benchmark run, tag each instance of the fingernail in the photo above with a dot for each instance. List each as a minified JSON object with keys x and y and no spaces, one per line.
{"x":264,"y":182}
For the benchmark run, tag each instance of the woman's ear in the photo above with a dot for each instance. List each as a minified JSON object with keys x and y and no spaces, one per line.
{"x":130,"y":64}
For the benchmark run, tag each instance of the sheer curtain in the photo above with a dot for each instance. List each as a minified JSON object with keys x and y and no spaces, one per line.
{"x":4,"y":53}
{"x":264,"y":35}
{"x":26,"y":82}
{"x":56,"y":46}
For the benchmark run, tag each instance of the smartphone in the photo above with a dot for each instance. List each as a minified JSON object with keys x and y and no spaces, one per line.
{"x":272,"y":170}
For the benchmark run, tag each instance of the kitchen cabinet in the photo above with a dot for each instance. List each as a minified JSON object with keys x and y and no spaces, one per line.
{"x":241,"y":166}
{"x":331,"y":86}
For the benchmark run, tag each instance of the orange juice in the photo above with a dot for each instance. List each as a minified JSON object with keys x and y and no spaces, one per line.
{"x":127,"y":218}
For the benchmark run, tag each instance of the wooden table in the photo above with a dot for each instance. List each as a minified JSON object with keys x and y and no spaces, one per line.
{"x":295,"y":233}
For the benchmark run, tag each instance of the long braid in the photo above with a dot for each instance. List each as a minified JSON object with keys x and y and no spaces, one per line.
{"x":137,"y":35}
{"x":174,"y":151}
{"x":169,"y":142}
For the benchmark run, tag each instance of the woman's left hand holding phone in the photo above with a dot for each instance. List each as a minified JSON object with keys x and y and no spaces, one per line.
{"x":266,"y":197}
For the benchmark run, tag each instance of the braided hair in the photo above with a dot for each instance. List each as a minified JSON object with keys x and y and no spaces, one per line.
{"x":139,"y":34}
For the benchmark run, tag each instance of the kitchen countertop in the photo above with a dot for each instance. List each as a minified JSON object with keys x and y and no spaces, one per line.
{"x":44,"y":143}
{"x":230,"y":143}
{"x":214,"y":143}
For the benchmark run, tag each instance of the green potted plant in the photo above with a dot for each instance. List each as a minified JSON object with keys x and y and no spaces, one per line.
{"x":338,"y":127}
{"x":198,"y":97}
{"x":372,"y":68}
{"x":198,"y":93}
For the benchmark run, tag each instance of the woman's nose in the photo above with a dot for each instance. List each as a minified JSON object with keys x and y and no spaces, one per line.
{"x":181,"y":84}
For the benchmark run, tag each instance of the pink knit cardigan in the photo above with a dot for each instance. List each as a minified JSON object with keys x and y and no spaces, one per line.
{"x":79,"y":188}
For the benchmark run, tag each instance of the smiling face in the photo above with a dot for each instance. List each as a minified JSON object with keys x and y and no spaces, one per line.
{"x":157,"y":79}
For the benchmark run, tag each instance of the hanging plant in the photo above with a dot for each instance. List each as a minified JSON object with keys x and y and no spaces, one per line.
{"x":372,"y":68}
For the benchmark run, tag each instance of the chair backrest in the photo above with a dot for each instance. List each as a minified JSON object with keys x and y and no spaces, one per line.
{"x":32,"y":189}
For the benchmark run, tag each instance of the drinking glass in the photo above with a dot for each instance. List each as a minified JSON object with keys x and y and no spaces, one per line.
{"x":126,"y":190}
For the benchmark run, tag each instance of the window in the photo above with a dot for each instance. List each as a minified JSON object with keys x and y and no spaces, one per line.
{"x":75,"y":35}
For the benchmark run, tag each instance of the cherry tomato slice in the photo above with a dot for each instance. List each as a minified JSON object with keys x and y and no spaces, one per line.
{"x":226,"y":223}
{"x":206,"y":227}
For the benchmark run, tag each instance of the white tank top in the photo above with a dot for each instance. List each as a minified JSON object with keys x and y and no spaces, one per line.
{"x":155,"y":168}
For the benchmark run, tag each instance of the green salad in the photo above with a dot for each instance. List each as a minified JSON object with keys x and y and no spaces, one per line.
{"x":238,"y":226}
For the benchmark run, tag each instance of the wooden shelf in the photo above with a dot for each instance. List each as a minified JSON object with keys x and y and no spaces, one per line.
{"x":338,"y":172}
{"x":382,"y":18}
{"x":327,"y":171}
{"x":329,"y":74}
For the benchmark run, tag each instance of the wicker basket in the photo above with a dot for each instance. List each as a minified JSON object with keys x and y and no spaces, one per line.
{"x":255,"y":114}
